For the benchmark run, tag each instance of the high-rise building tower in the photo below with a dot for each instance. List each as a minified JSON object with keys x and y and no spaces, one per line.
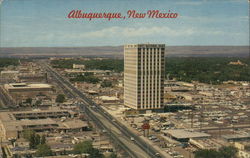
{"x":144,"y":76}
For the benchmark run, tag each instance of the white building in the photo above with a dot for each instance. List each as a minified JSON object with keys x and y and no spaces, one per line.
{"x":78,"y":66}
{"x":144,"y":76}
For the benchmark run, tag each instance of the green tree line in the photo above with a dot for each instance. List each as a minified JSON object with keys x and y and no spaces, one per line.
{"x":8,"y":61}
{"x":205,"y":70}
{"x":37,"y":142}
{"x":86,"y":147}
{"x":105,"y":64}
{"x":223,"y":152}
{"x":85,"y":78}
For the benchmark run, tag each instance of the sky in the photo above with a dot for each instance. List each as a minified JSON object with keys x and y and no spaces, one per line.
{"x":44,"y":23}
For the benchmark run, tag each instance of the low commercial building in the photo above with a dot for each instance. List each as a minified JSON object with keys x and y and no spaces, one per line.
{"x":13,"y":123}
{"x":40,"y":114}
{"x":103,"y":146}
{"x":208,"y":94}
{"x":39,"y":77}
{"x":236,"y":137}
{"x":204,"y":143}
{"x":9,"y":74}
{"x":73,"y":126}
{"x":109,"y":99}
{"x":183,"y":135}
{"x":78,"y":66}
{"x":22,"y":91}
{"x":95,"y":72}
{"x":25,"y":87}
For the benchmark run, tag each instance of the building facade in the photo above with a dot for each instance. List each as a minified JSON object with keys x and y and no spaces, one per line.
{"x":144,"y":76}
{"x":78,"y":66}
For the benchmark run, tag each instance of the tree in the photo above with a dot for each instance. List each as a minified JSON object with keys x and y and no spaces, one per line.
{"x":105,"y":64}
{"x":38,"y":102}
{"x":43,"y":139}
{"x":29,"y":101}
{"x":106,"y":83}
{"x":37,"y":139}
{"x":83,"y":147}
{"x":27,"y":134}
{"x":206,"y":153}
{"x":30,"y":135}
{"x":60,"y":98}
{"x":33,"y":138}
{"x":228,"y":152}
{"x":87,"y":148}
{"x":223,"y":152}
{"x":43,"y":150}
{"x":88,"y":73}
{"x":95,"y":153}
{"x":4,"y":62}
{"x":85,"y":78}
{"x":113,"y":155}
{"x":214,"y":70}
{"x":32,"y":142}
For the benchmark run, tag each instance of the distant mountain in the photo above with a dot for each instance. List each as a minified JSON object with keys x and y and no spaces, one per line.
{"x":117,"y":51}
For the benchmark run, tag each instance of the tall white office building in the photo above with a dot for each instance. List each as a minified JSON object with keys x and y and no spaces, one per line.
{"x":144,"y":76}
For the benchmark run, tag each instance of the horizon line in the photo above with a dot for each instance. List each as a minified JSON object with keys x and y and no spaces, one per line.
{"x":123,"y":45}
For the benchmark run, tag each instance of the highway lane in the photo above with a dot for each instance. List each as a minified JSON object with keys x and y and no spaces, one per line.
{"x":127,"y":141}
{"x":101,"y":121}
{"x":140,"y":145}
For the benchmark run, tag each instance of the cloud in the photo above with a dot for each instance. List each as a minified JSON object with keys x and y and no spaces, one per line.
{"x":129,"y":32}
{"x":118,"y":32}
{"x":244,"y":18}
{"x":197,"y":3}
{"x":238,"y":1}
{"x":192,"y":3}
{"x":200,"y":18}
{"x":119,"y":35}
{"x":214,"y":19}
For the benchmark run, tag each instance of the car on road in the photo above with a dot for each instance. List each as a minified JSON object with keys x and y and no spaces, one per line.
{"x":157,"y":155}
{"x":156,"y":140}
{"x":152,"y":137}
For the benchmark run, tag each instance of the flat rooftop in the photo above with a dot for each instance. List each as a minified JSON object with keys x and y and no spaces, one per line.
{"x":206,"y":143}
{"x":14,"y":115}
{"x":236,"y":136}
{"x":184,"y":134}
{"x":74,"y":124}
{"x":25,"y":85}
{"x":82,"y":71}
{"x":37,"y":122}
{"x":9,"y":72}
{"x":41,"y":111}
{"x":108,"y":98}
{"x":11,"y":123}
{"x":144,"y":45}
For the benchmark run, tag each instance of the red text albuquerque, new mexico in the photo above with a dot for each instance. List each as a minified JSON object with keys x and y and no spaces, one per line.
{"x":79,"y":14}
